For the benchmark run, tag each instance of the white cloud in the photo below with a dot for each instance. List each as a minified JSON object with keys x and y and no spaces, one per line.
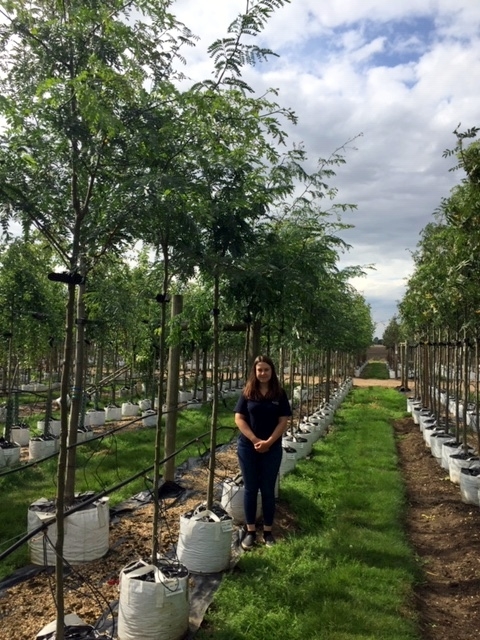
{"x":401,"y":73}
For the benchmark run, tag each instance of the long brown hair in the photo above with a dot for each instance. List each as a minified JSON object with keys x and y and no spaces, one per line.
{"x":252,"y":386}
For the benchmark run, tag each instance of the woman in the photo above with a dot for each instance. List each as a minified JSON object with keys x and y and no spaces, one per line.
{"x":261,"y":414}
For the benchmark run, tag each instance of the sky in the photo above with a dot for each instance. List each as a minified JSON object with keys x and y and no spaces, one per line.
{"x":391,"y":80}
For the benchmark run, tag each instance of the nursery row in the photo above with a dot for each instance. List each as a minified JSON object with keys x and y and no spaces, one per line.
{"x":42,"y":439}
{"x":154,"y":597}
{"x":33,"y":418}
{"x":452,"y":450}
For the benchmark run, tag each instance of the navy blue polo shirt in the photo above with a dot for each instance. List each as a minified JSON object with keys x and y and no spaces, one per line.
{"x":262,"y":415}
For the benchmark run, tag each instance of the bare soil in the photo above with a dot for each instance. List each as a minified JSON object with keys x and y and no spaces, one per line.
{"x":445,"y":534}
{"x":372,"y":382}
{"x":443,"y":531}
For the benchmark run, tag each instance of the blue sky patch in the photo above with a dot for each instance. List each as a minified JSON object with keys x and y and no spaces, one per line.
{"x":405,"y":41}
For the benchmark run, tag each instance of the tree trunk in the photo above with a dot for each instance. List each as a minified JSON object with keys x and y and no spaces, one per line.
{"x":197,"y":372}
{"x":213,"y":427}
{"x":77,"y":398}
{"x":254,"y":344}
{"x":98,"y":376}
{"x":246,"y":359}
{"x":172,"y":396}
{"x":204,"y":374}
{"x":62,"y":460}
{"x":466,"y":377}
{"x":328,"y":366}
{"x":158,"y":433}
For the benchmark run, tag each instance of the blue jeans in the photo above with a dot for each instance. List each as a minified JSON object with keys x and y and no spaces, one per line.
{"x":259,"y":472}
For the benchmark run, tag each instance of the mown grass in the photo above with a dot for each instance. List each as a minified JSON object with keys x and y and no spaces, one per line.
{"x":101,"y":464}
{"x":348,"y":574}
{"x":376,"y":371}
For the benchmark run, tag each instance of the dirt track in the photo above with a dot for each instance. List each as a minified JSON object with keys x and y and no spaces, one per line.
{"x":374,"y":382}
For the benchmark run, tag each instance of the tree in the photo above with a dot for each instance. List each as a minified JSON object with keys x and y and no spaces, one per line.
{"x":296,"y":249}
{"x":30,"y":307}
{"x":392,"y":335}
{"x":30,"y":312}
{"x":74,"y":78}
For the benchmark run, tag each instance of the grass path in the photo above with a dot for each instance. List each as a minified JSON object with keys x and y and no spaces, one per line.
{"x":348,"y":574}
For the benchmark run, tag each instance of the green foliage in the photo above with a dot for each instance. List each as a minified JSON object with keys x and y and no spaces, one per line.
{"x":31,"y":308}
{"x":443,"y":293}
{"x":230,"y":54}
{"x":292,"y":263}
{"x":73,"y":86}
{"x":392,"y":335}
{"x":122,"y":312}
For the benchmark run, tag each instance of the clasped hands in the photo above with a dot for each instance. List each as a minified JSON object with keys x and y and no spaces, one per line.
{"x":261,"y":446}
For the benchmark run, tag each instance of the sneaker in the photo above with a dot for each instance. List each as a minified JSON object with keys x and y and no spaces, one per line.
{"x":249,"y":540}
{"x":268,"y":539}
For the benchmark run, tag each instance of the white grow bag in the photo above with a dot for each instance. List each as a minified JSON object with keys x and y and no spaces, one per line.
{"x":86,"y":533}
{"x":289,"y":460}
{"x":328,"y":415}
{"x":232,"y":500}
{"x":54,"y":427}
{"x":185,"y":396}
{"x":129,"y":409}
{"x":84,"y":434}
{"x":20,"y":435}
{"x":316,"y":419}
{"x":149,"y":418}
{"x":156,"y":608}
{"x":144,"y":405}
{"x":309,"y":433}
{"x":112,"y":412}
{"x":96,"y":418}
{"x":428,"y":433}
{"x":410,"y":401}
{"x":416,"y":412}
{"x":301,"y":445}
{"x":39,"y":387}
{"x":470,"y":484}
{"x":317,"y":423}
{"x":426,"y":423}
{"x":436,"y":442}
{"x":205,"y":542}
{"x":10,"y":456}
{"x":449,"y":448}
{"x":457,"y":462}
{"x":39,"y":448}
{"x":425,"y":419}
{"x":194,"y":404}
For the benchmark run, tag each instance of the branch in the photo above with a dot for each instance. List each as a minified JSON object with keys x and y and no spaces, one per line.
{"x":20,"y":27}
{"x":17,"y":199}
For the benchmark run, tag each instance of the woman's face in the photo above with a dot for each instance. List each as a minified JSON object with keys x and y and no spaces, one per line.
{"x":263,"y":371}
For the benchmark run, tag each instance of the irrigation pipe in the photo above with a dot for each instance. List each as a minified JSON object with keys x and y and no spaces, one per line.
{"x":103,"y":493}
